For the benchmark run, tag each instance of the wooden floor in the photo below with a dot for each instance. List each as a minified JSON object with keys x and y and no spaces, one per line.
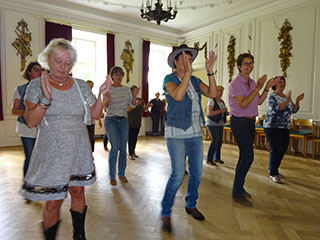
{"x":132,"y":211}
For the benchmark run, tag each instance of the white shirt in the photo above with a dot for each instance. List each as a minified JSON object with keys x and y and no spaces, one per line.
{"x":22,"y":129}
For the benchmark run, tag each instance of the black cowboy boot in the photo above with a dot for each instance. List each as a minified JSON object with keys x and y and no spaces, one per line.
{"x":50,"y":234}
{"x":78,"y":224}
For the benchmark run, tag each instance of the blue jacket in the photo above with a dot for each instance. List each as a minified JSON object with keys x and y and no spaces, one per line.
{"x":179,"y":113}
{"x":22,"y":92}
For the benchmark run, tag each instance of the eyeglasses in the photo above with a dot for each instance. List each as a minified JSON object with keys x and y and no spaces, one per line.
{"x":37,"y":69}
{"x":118,"y":73}
{"x":247,"y":64}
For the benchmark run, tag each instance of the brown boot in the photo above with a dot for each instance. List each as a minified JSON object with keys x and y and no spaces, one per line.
{"x":166,"y":224}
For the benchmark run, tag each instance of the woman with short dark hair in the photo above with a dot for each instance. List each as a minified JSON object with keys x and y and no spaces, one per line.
{"x":134,"y":122}
{"x":116,"y":102}
{"x":277,"y":125}
{"x":244,"y":99}
{"x":27,"y":134}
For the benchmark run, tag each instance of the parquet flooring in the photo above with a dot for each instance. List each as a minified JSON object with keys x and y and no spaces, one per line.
{"x":132,"y":211}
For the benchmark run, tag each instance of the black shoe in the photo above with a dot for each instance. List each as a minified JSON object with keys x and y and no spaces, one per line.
{"x":166,"y":224}
{"x":242,"y":200}
{"x":194,"y":212}
{"x":211,"y":163}
{"x":246,"y":194}
{"x":219,"y":161}
{"x":186,"y":172}
{"x":27,"y":201}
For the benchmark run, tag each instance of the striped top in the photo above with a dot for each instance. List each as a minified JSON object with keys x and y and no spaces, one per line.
{"x":120,"y":99}
{"x":195,"y":129}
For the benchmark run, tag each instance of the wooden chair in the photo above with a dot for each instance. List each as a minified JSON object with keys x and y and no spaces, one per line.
{"x":260,"y":140}
{"x":301,"y":130}
{"x":227,"y":131}
{"x":206,"y":135}
{"x":315,"y":139}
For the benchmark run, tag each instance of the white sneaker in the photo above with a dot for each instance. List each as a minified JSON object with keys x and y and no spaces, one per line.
{"x":276,"y":179}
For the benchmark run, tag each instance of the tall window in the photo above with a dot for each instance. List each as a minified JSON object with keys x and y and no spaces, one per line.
{"x":92,"y":57}
{"x":158,"y":68}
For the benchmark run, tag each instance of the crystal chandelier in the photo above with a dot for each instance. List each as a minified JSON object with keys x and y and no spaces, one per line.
{"x":157,"y":13}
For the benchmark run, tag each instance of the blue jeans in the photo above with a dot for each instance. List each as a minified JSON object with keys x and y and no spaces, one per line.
{"x":214,"y":151}
{"x":243,"y":130}
{"x":278,"y":140}
{"x":27,"y":144}
{"x":117,"y":132}
{"x":178,"y":150}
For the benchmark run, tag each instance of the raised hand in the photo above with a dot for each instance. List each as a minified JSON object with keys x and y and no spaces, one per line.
{"x":300,"y":97}
{"x":135,"y":92}
{"x":289,"y":96}
{"x":45,"y":86}
{"x":261,"y":81}
{"x":211,"y":61}
{"x":186,"y":63}
{"x":104,"y":88}
{"x":273,"y":81}
{"x":149,"y":105}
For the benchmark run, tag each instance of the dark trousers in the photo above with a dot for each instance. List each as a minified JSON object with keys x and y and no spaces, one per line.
{"x":105,"y":140}
{"x":91,"y":135}
{"x":155,"y":122}
{"x":28,"y":144}
{"x":243,"y":130}
{"x":214,"y":151}
{"x":162,"y":123}
{"x":278,"y":140}
{"x":132,"y":140}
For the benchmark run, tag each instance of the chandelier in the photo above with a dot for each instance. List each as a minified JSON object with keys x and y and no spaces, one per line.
{"x":158,"y":14}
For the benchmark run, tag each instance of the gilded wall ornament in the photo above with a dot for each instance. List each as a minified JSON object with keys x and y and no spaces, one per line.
{"x":231,"y":56}
{"x":22,"y":42}
{"x":286,"y":46}
{"x":204,"y":46}
{"x":127,"y":57}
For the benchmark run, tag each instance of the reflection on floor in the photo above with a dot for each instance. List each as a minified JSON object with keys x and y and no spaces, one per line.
{"x":132,"y":210}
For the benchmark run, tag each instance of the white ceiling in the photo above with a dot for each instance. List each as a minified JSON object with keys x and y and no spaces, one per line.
{"x":192,"y":14}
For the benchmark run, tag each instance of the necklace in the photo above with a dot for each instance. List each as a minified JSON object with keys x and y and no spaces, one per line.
{"x":57,"y":82}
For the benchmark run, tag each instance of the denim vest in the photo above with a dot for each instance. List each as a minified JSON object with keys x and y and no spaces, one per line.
{"x":179,"y":113}
{"x":218,"y":117}
{"x":22,"y":92}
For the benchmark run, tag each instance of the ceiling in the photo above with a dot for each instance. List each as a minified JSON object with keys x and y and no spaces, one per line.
{"x":192,"y":14}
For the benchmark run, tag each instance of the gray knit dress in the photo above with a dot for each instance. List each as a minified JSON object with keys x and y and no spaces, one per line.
{"x":62,"y":154}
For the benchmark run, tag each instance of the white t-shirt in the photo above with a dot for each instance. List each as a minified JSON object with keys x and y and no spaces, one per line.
{"x":209,"y":122}
{"x":22,"y":129}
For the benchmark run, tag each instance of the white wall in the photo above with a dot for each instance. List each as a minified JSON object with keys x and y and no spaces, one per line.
{"x":263,"y":27}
